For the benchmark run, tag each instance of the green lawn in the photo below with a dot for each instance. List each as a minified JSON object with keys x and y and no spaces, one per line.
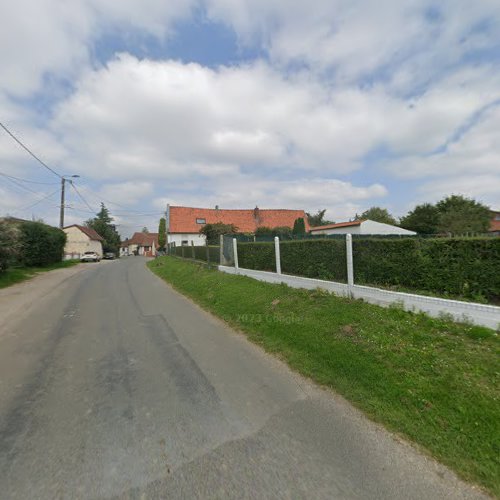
{"x":431,"y":380}
{"x":15,"y":275}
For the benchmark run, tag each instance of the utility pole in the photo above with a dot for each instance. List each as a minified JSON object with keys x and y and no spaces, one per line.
{"x":61,"y":211}
{"x":63,"y":188}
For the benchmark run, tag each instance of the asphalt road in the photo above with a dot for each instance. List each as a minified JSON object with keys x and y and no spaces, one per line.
{"x":114,"y":386}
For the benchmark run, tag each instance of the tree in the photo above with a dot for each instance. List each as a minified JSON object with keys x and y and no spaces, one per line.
{"x":318,"y":219}
{"x":299,"y":227}
{"x":377,"y":214}
{"x":9,"y":245}
{"x":283,"y":232}
{"x":41,"y":244}
{"x":458,"y":214}
{"x":162,"y":233}
{"x":212,"y":232}
{"x":145,"y":230}
{"x":423,"y":219}
{"x":101,"y":223}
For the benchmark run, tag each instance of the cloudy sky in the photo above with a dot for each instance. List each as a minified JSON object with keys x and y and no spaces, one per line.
{"x":337,"y":104}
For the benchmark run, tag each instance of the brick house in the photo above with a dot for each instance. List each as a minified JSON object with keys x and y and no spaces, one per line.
{"x":184,"y":223}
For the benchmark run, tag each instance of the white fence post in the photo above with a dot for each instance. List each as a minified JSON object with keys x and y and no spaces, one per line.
{"x":235,"y":251}
{"x":350,"y":268}
{"x":277,"y":254}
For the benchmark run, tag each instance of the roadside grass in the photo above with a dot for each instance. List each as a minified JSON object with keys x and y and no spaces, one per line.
{"x":15,"y":275}
{"x":431,"y":380}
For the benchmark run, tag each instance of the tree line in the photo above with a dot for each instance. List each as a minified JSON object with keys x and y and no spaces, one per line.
{"x":454,"y":214}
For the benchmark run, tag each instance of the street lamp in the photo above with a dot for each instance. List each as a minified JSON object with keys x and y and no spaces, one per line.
{"x":64,"y":178}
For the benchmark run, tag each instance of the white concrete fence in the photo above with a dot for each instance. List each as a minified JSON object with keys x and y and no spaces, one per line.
{"x":479,"y":314}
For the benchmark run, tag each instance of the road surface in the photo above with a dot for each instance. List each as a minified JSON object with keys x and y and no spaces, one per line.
{"x":112,"y":385}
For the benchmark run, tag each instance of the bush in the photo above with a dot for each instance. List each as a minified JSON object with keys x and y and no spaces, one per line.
{"x":9,"y":245}
{"x":468,"y":268}
{"x":41,"y":245}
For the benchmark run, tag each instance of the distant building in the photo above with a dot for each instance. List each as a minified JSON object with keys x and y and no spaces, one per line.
{"x":495,"y":223}
{"x":145,"y":244}
{"x":184,"y":223}
{"x":81,"y":239}
{"x":368,"y":227}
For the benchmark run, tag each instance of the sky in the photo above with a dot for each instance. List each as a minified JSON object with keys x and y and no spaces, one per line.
{"x":324,"y":104}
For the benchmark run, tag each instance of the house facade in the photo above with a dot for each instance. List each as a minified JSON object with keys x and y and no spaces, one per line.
{"x":145,"y":244}
{"x":367,"y":227}
{"x":81,"y":239}
{"x":184,"y":223}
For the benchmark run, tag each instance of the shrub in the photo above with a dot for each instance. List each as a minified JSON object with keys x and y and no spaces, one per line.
{"x":41,"y":245}
{"x":9,"y":245}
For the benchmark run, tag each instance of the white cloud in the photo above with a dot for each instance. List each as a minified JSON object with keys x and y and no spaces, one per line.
{"x":49,"y":38}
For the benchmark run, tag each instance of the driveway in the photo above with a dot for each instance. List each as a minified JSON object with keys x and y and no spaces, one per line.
{"x":112,"y":385}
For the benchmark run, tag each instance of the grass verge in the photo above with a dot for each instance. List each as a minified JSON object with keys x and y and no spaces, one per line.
{"x":15,"y":275}
{"x":431,"y":380}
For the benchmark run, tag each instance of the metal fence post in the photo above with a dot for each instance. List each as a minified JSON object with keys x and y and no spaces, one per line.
{"x":350,"y":267}
{"x":277,"y":254}
{"x":192,"y":250}
{"x":182,"y":250}
{"x":235,"y":251}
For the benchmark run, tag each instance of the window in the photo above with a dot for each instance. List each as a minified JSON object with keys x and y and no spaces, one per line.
{"x":497,"y":217}
{"x":201,"y":221}
{"x":184,"y":243}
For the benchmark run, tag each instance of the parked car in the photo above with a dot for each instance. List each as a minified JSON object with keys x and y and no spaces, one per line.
{"x":90,"y":257}
{"x":109,"y":256}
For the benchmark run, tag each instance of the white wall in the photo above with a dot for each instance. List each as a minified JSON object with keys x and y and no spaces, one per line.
{"x":366,"y":227}
{"x":479,"y":314}
{"x":372,"y":227}
{"x":177,"y":238}
{"x":78,"y":243}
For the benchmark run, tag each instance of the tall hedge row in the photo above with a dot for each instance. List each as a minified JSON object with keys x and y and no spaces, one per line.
{"x":323,"y":259}
{"x":468,"y":268}
{"x":41,"y":245}
{"x":198,"y":253}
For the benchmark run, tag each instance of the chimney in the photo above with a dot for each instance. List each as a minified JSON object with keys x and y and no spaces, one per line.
{"x":216,"y":207}
{"x":256,"y":214}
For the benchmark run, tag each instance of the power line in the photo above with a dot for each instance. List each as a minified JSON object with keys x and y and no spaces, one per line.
{"x":29,"y":151}
{"x":26,"y":180}
{"x":82,"y":198}
{"x":101,"y":199}
{"x":36,"y":202}
{"x":22,"y":186}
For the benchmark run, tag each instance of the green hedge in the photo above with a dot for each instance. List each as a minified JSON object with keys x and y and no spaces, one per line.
{"x":468,"y":267}
{"x":199,"y":253}
{"x":455,"y":267}
{"x":323,"y":259}
{"x":41,"y":245}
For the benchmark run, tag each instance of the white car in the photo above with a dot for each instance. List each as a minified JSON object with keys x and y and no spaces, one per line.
{"x":90,"y":257}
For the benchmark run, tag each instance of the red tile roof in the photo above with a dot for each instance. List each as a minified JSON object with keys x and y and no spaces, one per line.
{"x":91,"y":233}
{"x":494,"y":224}
{"x":340,"y":224}
{"x":142,"y":240}
{"x":183,"y":219}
